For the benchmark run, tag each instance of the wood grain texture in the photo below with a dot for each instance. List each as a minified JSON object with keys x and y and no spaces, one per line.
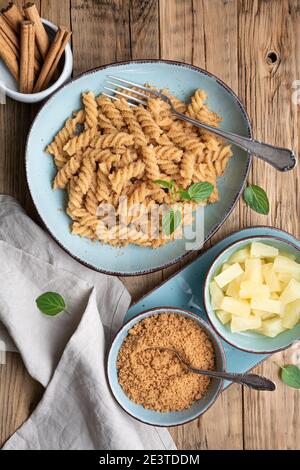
{"x":232,"y":39}
{"x":19,"y":393}
{"x":144,"y":29}
{"x":101,"y":33}
{"x":144,"y":36}
{"x":12,"y":169}
{"x":58,"y":15}
{"x":267,"y":91}
{"x":197,"y":43}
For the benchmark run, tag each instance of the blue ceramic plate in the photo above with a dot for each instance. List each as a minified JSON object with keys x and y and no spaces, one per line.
{"x":182,"y":80}
{"x":156,"y":418}
{"x":249,"y":340}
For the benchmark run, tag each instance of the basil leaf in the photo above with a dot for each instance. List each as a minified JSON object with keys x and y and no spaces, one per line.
{"x":164,"y":183}
{"x":170,"y":221}
{"x":257,"y":199}
{"x":50,"y":303}
{"x":200,"y":191}
{"x":184,"y":194}
{"x":290,"y":375}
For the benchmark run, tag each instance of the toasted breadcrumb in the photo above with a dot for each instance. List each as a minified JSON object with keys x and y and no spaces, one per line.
{"x":156,"y":379}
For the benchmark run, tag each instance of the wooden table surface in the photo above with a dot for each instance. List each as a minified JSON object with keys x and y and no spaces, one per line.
{"x":253,"y":45}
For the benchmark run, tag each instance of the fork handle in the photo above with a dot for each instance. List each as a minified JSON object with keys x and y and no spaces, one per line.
{"x":257,"y":382}
{"x":282,"y":159}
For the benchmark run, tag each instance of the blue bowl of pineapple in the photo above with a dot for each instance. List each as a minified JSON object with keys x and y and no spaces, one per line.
{"x":252,"y":294}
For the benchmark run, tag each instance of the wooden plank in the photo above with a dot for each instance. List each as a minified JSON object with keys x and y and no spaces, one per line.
{"x":206,"y":33}
{"x":56,"y":11}
{"x":217,"y":53}
{"x":100,"y":33}
{"x":144,"y":34}
{"x":188,"y":33}
{"x":15,"y":119}
{"x":272,"y":422}
{"x":219,"y":429}
{"x":19,"y":393}
{"x":144,"y":29}
{"x":176,"y":30}
{"x":17,"y":389}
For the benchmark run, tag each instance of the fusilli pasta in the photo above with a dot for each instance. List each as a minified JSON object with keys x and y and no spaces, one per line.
{"x":112,"y":158}
{"x":91,"y":109}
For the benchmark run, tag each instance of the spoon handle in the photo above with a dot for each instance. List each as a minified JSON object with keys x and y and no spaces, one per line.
{"x":254,"y":381}
{"x":282,"y":159}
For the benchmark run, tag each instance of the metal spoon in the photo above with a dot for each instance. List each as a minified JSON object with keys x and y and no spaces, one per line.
{"x":254,"y":381}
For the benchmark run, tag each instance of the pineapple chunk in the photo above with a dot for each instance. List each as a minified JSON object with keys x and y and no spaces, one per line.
{"x":251,"y":289}
{"x":253,"y":270}
{"x":243,"y":324}
{"x":274,"y":296}
{"x":258,"y":289}
{"x":268,"y":305}
{"x":261,"y":250}
{"x":233,"y":288}
{"x":228,"y":275}
{"x":223,"y":316}
{"x":293,"y":306}
{"x":271,"y":278}
{"x":286,"y":265}
{"x":240,"y":256}
{"x":285,"y":278}
{"x":291,"y":292}
{"x":216,"y":295}
{"x":272,"y":327}
{"x":241,"y":308}
{"x":262,"y":314}
{"x":291,"y":314}
{"x":225,"y":266}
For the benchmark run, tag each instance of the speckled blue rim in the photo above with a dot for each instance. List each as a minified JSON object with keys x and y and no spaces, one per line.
{"x":200,"y":321}
{"x":226,"y":215}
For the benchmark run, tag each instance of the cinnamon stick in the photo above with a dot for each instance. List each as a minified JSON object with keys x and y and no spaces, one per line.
{"x":10,"y":43}
{"x":41,"y":35}
{"x":13,"y":40}
{"x":9,"y":58}
{"x":8,"y":31}
{"x":27,"y":56}
{"x":14,"y":16}
{"x":53,"y":73}
{"x":52,"y":59}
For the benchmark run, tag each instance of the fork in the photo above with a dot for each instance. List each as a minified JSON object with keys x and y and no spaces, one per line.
{"x":282,"y":159}
{"x":257,"y":382}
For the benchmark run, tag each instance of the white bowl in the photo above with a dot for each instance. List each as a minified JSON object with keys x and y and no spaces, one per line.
{"x":9,"y":86}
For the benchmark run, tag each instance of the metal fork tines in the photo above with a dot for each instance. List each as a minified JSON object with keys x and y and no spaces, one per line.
{"x":119,"y":86}
{"x":282,"y":159}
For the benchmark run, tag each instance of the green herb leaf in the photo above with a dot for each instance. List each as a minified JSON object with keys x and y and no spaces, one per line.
{"x":200,"y":191}
{"x":290,"y":375}
{"x":50,"y":303}
{"x":184,"y":194}
{"x":257,"y":199}
{"x":165,"y":183}
{"x":170,"y":221}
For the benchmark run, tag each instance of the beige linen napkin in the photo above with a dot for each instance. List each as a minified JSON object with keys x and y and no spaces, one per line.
{"x":65,"y":353}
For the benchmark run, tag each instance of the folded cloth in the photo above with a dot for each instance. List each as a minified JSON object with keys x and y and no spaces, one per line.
{"x":65,"y":353}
